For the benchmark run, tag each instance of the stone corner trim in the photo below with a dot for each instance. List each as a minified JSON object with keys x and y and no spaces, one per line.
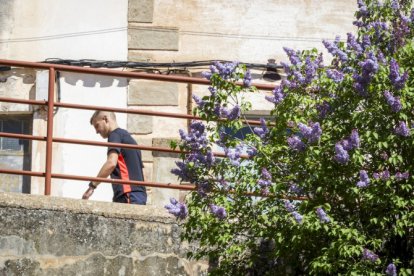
{"x":152,"y":38}
{"x":141,"y":11}
{"x":143,"y":92}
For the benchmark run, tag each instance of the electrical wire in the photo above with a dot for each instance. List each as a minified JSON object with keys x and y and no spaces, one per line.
{"x":141,"y":65}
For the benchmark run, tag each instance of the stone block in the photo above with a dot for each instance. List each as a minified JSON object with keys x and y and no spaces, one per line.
{"x":141,"y":11}
{"x":146,"y":154}
{"x":152,"y":38}
{"x":142,"y":92}
{"x":164,"y":143}
{"x":139,"y":124}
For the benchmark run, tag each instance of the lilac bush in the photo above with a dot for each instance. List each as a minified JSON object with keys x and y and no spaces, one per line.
{"x":324,"y":186}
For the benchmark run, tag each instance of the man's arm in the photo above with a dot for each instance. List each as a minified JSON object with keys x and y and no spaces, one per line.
{"x":105,"y":171}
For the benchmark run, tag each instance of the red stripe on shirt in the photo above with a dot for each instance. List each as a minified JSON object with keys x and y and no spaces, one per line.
{"x":124,"y":173}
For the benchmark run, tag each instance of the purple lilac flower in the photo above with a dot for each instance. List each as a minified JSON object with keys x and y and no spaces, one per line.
{"x":310,"y":69}
{"x":212,"y":90}
{"x":295,"y":143}
{"x":233,"y":155}
{"x":278,"y":95}
{"x":402,"y":176}
{"x":391,"y":270}
{"x":299,"y":77}
{"x":225,"y":70}
{"x":368,"y":255}
{"x":289,"y":206}
{"x":182,"y":171}
{"x":334,"y":50}
{"x":335,"y":75}
{"x":402,"y":129}
{"x":395,"y":5}
{"x":293,"y":56}
{"x":381,"y":58}
{"x":392,"y":101}
{"x":313,"y":133}
{"x":341,"y":155}
{"x":322,"y":215}
{"x":206,"y":75}
{"x":368,"y":68}
{"x":286,"y":67}
{"x":400,"y":31}
{"x":218,"y":211}
{"x":364,"y":179}
{"x":354,"y":139}
{"x":210,"y":159}
{"x":266,"y":179}
{"x":323,"y":109}
{"x":203,"y":188}
{"x":176,"y":208}
{"x":353,"y":44}
{"x":362,"y":9}
{"x":199,"y":101}
{"x":247,"y":80}
{"x":366,"y":41}
{"x":263,"y":130}
{"x":397,"y":80}
{"x":293,"y":188}
{"x":196,"y":138}
{"x":234,"y":114}
{"x":385,"y":175}
{"x":298,"y":217}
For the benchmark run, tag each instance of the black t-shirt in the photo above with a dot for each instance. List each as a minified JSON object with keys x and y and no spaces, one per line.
{"x":129,"y":165}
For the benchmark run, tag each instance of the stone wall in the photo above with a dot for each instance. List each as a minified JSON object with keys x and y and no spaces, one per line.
{"x":55,"y":236}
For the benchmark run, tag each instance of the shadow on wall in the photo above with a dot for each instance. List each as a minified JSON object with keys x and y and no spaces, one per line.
{"x":94,"y":80}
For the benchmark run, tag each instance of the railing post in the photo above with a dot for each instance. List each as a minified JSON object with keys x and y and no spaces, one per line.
{"x":49,"y":136}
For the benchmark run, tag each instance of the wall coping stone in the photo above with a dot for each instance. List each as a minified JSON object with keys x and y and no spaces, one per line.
{"x":145,"y":213}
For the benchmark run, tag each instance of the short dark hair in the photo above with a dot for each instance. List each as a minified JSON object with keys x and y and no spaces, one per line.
{"x":97,"y":112}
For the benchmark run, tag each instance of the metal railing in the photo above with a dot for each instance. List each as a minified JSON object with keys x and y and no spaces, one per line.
{"x":51,"y":104}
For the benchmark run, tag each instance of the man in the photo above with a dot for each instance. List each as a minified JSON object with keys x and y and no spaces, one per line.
{"x":120,"y":163}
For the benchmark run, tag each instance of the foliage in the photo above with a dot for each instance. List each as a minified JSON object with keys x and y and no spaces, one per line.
{"x":330,"y":173}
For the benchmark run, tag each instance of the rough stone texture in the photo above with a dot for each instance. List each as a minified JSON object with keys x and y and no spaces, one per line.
{"x":140,"y":10}
{"x":152,"y":38}
{"x":163,"y":163}
{"x":56,"y":236}
{"x":146,"y":154}
{"x":142,"y":92}
{"x":139,"y":124}
{"x":17,"y":83}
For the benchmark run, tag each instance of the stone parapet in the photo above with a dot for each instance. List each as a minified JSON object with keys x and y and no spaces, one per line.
{"x":42,"y":235}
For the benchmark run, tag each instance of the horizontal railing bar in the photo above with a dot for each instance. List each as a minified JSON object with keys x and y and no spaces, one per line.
{"x":115,"y":109}
{"x":116,"y":73}
{"x":101,"y":144}
{"x":141,"y":112}
{"x":106,"y":180}
{"x":22,"y":136}
{"x":22,"y":101}
{"x":129,"y":182}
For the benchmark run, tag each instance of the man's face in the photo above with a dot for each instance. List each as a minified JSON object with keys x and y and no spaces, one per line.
{"x":101,"y":125}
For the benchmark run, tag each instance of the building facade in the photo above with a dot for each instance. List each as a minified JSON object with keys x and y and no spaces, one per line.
{"x":141,"y":31}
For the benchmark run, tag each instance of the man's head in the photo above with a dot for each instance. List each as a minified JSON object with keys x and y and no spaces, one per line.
{"x":104,"y":122}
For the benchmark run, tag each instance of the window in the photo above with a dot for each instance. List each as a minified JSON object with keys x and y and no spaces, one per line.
{"x":14,"y":124}
{"x":15,"y":154}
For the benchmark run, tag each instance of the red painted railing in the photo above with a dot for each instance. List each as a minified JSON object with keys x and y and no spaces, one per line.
{"x":50,"y":103}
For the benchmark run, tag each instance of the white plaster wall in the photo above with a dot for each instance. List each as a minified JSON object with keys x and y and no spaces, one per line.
{"x":76,"y":29}
{"x":72,"y":123}
{"x":248,"y":31}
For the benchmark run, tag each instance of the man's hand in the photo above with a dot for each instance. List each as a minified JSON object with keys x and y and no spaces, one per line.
{"x":88,"y":193}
